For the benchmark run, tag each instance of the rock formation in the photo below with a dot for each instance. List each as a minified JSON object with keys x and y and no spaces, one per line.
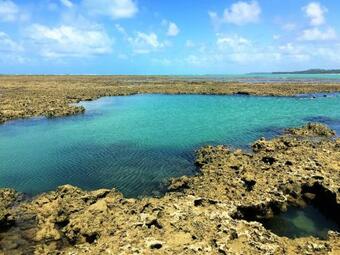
{"x":53,"y":96}
{"x":214,"y":212}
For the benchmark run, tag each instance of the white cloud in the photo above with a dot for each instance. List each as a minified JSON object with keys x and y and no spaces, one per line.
{"x":293,"y":52}
{"x":173,"y":29}
{"x":144,"y":43}
{"x":316,"y":13}
{"x":329,"y":53}
{"x":311,"y":53}
{"x":316,"y":34}
{"x":8,"y":45}
{"x":235,"y":48}
{"x":234,"y":42}
{"x":239,"y":13}
{"x":11,"y":51}
{"x":229,"y":50}
{"x":69,"y":41}
{"x":116,"y":9}
{"x":67,"y":3}
{"x":9,"y":11}
{"x":120,"y":29}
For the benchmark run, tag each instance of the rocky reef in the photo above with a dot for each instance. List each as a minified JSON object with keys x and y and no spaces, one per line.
{"x":53,"y":96}
{"x":214,"y":212}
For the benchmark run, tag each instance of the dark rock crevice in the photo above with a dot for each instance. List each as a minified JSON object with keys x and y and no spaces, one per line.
{"x":310,"y":194}
{"x":323,"y":199}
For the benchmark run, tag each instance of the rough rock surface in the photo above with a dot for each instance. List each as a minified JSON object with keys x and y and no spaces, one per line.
{"x":210,"y":213}
{"x":7,"y":199}
{"x":53,"y":96}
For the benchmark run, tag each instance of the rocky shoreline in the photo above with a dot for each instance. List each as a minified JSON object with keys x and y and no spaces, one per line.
{"x":53,"y":96}
{"x":214,"y":212}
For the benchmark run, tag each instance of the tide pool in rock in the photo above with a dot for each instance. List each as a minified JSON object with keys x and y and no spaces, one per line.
{"x":301,"y":222}
{"x":136,"y":143}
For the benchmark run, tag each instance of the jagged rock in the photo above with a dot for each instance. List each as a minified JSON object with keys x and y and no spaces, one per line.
{"x":7,"y":199}
{"x":312,"y":129}
{"x":210,"y":213}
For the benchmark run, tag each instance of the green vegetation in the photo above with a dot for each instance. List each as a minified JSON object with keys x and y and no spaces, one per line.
{"x":312,"y":71}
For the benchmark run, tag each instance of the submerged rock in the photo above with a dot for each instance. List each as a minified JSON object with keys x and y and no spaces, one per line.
{"x":210,"y":213}
{"x":312,"y":129}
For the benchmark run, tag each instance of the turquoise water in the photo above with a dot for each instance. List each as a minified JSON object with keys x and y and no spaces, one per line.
{"x":301,"y":222}
{"x":136,"y":143}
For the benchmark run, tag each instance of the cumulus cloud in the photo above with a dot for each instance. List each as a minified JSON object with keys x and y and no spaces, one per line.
{"x":67,"y":3}
{"x":318,"y":30}
{"x":316,"y":34}
{"x":173,"y":29}
{"x":229,"y":49}
{"x":69,"y":41}
{"x":239,"y":13}
{"x":238,"y":49}
{"x":316,"y":13}
{"x":144,"y":43}
{"x":262,"y":57}
{"x":116,"y":9}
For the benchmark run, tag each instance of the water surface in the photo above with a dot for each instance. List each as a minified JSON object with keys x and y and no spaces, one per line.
{"x":136,"y":143}
{"x":301,"y":222}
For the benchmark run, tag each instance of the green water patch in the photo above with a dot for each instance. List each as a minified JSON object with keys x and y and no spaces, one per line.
{"x":314,"y":213}
{"x":301,"y":222}
{"x":137,"y":143}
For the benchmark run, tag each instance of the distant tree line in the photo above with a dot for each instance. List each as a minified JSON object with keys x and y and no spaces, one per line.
{"x":312,"y":71}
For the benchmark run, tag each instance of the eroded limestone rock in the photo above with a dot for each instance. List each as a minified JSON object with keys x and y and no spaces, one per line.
{"x":210,"y":213}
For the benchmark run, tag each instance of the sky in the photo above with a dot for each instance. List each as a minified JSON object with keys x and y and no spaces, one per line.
{"x":175,"y":37}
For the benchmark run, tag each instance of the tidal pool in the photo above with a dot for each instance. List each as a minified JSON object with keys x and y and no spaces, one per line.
{"x":136,"y":143}
{"x":301,"y":222}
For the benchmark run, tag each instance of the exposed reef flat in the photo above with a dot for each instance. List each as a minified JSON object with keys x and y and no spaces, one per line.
{"x":52,"y":96}
{"x":214,"y":212}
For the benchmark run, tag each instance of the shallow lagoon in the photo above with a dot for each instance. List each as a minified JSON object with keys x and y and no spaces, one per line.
{"x":136,"y":143}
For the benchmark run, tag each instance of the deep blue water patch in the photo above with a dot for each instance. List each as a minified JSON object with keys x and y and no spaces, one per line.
{"x":136,"y":143}
{"x":334,"y":123}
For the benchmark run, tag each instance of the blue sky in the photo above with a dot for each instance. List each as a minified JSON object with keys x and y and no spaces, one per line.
{"x":167,"y":37}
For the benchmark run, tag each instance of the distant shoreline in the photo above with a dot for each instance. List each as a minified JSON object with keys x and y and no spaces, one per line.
{"x":309,"y":71}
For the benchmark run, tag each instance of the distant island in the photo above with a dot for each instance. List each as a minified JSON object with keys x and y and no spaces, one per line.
{"x":312,"y":71}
